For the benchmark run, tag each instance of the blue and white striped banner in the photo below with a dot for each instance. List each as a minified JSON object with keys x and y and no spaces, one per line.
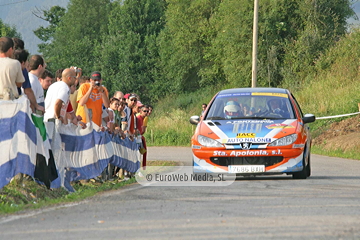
{"x":18,"y":140}
{"x":78,"y":153}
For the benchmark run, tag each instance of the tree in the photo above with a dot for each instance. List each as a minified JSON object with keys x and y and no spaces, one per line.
{"x":129,"y":52}
{"x":324,"y":23}
{"x":77,"y":35}
{"x":183,"y":42}
{"x":53,"y":17}
{"x":8,"y":31}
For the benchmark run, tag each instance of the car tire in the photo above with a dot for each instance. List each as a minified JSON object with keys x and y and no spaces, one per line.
{"x":308,"y":167}
{"x":303,"y":174}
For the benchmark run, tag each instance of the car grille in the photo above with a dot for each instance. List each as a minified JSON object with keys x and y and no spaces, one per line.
{"x":226,"y":161}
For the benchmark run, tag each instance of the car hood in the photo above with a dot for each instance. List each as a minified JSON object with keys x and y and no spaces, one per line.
{"x":247,"y":130}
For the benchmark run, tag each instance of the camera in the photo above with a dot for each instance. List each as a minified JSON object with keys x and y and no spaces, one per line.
{"x":76,"y":69}
{"x":97,"y":83}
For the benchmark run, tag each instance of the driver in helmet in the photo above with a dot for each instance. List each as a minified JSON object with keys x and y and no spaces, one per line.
{"x":232,"y":110}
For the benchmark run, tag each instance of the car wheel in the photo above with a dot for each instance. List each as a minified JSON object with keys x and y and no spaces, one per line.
{"x":308,"y":168}
{"x":303,"y":174}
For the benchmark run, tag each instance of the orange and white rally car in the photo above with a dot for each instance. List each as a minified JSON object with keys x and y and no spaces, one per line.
{"x":253,"y":131}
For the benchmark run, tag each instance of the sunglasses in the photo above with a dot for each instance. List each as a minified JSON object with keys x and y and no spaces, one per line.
{"x":145,"y":110}
{"x":133,"y":100}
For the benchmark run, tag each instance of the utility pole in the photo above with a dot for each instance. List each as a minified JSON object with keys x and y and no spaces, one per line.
{"x":255,"y":39}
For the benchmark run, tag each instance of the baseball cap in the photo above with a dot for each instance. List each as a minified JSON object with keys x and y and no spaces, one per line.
{"x":139,"y":104}
{"x":127,"y":95}
{"x":96,"y":75}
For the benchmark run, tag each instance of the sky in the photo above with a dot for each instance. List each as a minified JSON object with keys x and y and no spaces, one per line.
{"x":19,"y":13}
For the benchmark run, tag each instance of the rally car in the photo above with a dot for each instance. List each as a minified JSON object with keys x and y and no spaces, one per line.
{"x":253,"y":131}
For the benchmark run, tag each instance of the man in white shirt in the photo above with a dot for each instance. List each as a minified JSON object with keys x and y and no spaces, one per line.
{"x":11,"y":76}
{"x":58,"y":95}
{"x":37,"y":66}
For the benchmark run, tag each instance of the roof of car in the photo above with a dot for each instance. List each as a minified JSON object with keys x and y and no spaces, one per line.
{"x":272,"y":90}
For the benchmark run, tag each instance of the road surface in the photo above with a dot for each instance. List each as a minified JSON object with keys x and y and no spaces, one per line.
{"x":324,"y":206}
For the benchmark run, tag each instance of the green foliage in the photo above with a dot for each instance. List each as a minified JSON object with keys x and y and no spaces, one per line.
{"x":182,"y":43}
{"x":53,"y":17}
{"x":8,"y":31}
{"x":155,"y":48}
{"x":323,"y":22}
{"x":129,"y":52}
{"x":353,"y":154}
{"x":79,"y":32}
{"x":169,"y":124}
{"x":333,"y":87}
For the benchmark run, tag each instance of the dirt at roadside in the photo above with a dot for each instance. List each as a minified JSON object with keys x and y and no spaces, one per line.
{"x":344,"y":135}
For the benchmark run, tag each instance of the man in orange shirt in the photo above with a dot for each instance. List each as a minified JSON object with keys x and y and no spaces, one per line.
{"x":92,"y":95}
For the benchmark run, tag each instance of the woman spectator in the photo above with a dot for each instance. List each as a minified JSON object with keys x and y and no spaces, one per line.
{"x":114,"y":104}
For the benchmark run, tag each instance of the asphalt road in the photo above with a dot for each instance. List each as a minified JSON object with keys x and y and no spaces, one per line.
{"x":324,"y":206}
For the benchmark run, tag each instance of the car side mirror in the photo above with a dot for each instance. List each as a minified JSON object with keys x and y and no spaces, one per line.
{"x":308,"y":118}
{"x":194,"y":120}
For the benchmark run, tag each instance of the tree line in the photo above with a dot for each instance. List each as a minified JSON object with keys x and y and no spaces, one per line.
{"x":157,"y":47}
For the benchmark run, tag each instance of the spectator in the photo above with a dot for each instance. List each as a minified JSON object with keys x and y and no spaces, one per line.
{"x":57,"y":101}
{"x":74,"y":90}
{"x":146,"y":119}
{"x":84,"y":79}
{"x":123,"y":121}
{"x":92,"y":96}
{"x":114,"y":105}
{"x":37,"y":67}
{"x":119,"y":95}
{"x":46,"y":79}
{"x":11,"y":76}
{"x":203,"y":107}
{"x":144,"y":109}
{"x":22,"y":55}
{"x":18,"y":44}
{"x":131,"y":101}
{"x":58,"y":74}
{"x":138,"y":107}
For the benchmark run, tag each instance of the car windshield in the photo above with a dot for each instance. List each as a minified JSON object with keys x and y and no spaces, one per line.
{"x":250,"y":106}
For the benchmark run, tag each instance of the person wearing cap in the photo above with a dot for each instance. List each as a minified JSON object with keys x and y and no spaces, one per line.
{"x":232,"y":110}
{"x":137,"y":108}
{"x":131,"y":100}
{"x":143,"y":112}
{"x":92,"y":96}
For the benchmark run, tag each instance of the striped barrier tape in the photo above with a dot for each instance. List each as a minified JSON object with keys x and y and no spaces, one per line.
{"x":336,"y":116}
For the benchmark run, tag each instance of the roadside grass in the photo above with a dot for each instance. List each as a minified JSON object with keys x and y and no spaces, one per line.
{"x":169,"y":124}
{"x":350,"y":154}
{"x":25,"y":195}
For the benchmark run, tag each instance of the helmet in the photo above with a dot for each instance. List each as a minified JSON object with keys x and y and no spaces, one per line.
{"x":232,"y":109}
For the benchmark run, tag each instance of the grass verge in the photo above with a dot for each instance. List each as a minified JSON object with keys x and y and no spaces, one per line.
{"x":351,"y":154}
{"x":25,"y":195}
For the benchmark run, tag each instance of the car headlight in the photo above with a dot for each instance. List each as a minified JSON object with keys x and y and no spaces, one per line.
{"x":208,"y":142}
{"x":284,"y":140}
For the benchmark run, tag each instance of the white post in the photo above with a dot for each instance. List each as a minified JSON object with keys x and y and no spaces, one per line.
{"x":255,"y":39}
